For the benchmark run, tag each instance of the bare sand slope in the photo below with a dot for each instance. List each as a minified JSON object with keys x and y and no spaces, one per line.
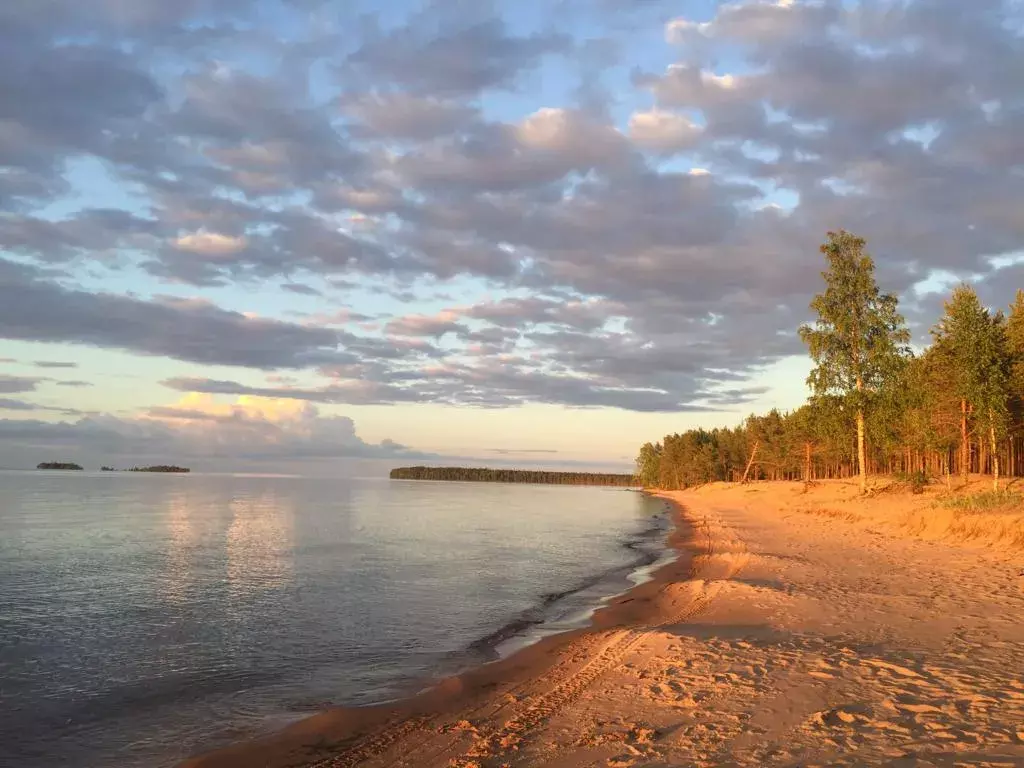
{"x":787,"y":638}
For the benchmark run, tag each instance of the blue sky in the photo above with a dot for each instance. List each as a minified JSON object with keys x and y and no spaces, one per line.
{"x":256,"y":231}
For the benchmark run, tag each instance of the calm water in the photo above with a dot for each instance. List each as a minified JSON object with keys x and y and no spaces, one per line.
{"x":145,"y":617}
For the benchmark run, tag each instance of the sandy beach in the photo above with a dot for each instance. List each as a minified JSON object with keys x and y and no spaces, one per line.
{"x":799,"y":626}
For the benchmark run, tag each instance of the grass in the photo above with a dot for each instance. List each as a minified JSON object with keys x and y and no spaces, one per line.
{"x":839,"y":514}
{"x":982,"y":517}
{"x":985,"y":501}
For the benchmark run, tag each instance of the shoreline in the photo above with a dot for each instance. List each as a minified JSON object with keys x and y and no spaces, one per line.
{"x":647,"y":546}
{"x":347,"y":735}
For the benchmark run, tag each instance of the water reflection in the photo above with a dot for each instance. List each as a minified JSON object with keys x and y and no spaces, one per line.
{"x":182,"y":539}
{"x":260,"y":543}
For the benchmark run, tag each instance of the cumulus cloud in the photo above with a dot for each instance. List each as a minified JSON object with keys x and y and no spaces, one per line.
{"x":639,"y":237}
{"x":197,"y":428}
{"x":210,"y":244}
{"x":661,"y":131}
{"x":452,"y":56}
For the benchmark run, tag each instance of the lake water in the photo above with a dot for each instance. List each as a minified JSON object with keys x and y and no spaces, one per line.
{"x":144,"y":618}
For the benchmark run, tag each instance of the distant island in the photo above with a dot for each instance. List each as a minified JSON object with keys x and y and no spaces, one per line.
{"x":161,"y":468}
{"x":59,"y":465}
{"x":157,"y":468}
{"x":483,"y":475}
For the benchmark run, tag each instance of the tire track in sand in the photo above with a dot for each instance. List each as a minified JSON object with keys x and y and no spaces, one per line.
{"x":372,"y":746}
{"x":567,"y":690}
{"x":566,"y":687}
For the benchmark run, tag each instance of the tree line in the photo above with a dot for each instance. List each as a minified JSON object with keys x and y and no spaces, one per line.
{"x":877,"y":407}
{"x":484,"y":475}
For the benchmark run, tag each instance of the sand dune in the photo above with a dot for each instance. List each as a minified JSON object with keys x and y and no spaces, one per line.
{"x":785,"y":635}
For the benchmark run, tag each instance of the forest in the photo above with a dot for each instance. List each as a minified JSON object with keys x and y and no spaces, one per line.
{"x":483,"y":475}
{"x":65,"y":465}
{"x":877,"y":407}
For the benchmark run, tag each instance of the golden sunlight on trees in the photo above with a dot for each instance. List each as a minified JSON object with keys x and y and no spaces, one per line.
{"x":956,"y":408}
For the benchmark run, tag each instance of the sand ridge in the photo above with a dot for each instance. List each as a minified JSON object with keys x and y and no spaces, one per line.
{"x":778,"y":638}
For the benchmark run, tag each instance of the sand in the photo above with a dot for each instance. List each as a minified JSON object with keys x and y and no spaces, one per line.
{"x":798,"y":627}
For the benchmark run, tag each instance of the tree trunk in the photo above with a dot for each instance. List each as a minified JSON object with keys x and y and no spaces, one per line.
{"x":965,"y":444}
{"x":861,"y":456}
{"x":750,"y":463}
{"x":807,"y":462}
{"x":995,"y":458}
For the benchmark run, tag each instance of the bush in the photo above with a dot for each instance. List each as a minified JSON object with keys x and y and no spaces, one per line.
{"x":916,"y":482}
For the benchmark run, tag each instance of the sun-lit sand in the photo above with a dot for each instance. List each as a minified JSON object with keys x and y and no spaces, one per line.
{"x":800,"y":626}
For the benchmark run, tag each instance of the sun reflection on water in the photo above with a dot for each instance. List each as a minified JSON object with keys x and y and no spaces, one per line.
{"x":260,"y":543}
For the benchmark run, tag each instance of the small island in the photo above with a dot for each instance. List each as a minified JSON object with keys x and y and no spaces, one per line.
{"x":59,"y":465}
{"x":484,"y":475}
{"x":170,"y":468}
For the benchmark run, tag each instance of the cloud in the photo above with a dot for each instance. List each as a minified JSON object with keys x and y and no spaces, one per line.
{"x":54,"y":364}
{"x":450,"y":58}
{"x":467,"y":143}
{"x":9,"y":404}
{"x":399,"y":115}
{"x":425,"y":325}
{"x":15,"y":384}
{"x":301,"y":289}
{"x":663,"y":132}
{"x":33,"y":309}
{"x":210,"y":244}
{"x":505,"y":451}
{"x":199,"y":429}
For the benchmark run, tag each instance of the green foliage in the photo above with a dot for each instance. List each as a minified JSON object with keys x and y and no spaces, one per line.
{"x":958,"y":404}
{"x":859,"y":341}
{"x":1015,"y":345}
{"x":65,"y":465}
{"x":648,"y":465}
{"x":483,"y":475}
{"x":916,"y":481}
{"x":973,"y":343}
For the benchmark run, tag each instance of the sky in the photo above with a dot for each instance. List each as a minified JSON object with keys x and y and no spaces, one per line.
{"x":252,"y":233}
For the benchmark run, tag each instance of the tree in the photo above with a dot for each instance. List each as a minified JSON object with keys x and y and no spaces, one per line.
{"x":994,"y":386}
{"x":1015,"y":344}
{"x":859,"y":341}
{"x":974,"y":345}
{"x":647,"y":465}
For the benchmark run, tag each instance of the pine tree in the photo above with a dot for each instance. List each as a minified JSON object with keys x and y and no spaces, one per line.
{"x":859,"y":341}
{"x":974,"y":345}
{"x":994,"y":386}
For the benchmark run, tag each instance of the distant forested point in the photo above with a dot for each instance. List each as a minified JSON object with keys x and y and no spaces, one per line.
{"x":58,"y":465}
{"x":161,"y":468}
{"x":483,"y":475}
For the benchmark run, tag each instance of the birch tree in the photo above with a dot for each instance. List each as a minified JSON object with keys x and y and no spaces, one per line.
{"x":859,"y":341}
